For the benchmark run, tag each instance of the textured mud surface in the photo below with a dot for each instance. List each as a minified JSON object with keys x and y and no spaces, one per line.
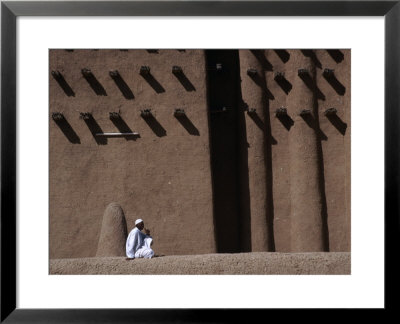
{"x":230,"y":175}
{"x":238,"y":263}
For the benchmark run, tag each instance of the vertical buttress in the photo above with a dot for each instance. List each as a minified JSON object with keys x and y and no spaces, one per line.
{"x":306,"y":193}
{"x":254,"y":106}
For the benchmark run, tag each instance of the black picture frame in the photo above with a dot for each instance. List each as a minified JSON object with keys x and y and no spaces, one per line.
{"x":10,"y":10}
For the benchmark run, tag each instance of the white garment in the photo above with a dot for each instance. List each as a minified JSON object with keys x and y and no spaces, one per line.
{"x":145,"y":251}
{"x":138,"y":245}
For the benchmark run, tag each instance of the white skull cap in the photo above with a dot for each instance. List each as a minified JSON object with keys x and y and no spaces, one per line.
{"x":138,"y":221}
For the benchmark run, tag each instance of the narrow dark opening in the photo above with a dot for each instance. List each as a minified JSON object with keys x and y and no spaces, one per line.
{"x":223,"y":77}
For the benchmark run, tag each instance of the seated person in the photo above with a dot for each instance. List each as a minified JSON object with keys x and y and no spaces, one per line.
{"x":138,"y":244}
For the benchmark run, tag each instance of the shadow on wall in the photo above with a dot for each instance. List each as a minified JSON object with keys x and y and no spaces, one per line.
{"x":178,"y":72}
{"x":145,"y":73}
{"x":62,"y":83}
{"x":310,"y":83}
{"x":321,"y":171}
{"x":229,"y":153}
{"x":122,"y":126}
{"x":337,"y":55}
{"x":261,"y":125}
{"x":257,"y":120}
{"x":187,"y":124}
{"x":283,"y":55}
{"x":285,"y":85}
{"x":93,"y":82}
{"x":311,"y":54}
{"x":260,"y":56}
{"x":259,"y":80}
{"x":334,"y":82}
{"x":244,"y":185}
{"x":222,"y":78}
{"x":94,"y":128}
{"x":66,"y":128}
{"x":268,"y":140}
{"x":121,"y":84}
{"x":270,"y":212}
{"x":284,"y":118}
{"x":313,"y":123}
{"x":337,"y":123}
{"x":152,"y":122}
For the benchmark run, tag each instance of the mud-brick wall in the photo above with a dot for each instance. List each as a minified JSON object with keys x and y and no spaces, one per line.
{"x":163,"y":176}
{"x":310,"y":153}
{"x":237,"y":180}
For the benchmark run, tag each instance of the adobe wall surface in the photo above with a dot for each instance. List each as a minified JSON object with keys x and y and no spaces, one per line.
{"x":242,"y":180}
{"x":163,"y":176}
{"x":333,"y":145}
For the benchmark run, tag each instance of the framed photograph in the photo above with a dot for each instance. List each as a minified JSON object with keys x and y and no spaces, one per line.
{"x":173,"y":148}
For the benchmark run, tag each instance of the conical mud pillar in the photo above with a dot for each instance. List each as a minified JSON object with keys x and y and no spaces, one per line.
{"x":113,"y":232}
{"x":256,"y":212}
{"x":307,"y":201}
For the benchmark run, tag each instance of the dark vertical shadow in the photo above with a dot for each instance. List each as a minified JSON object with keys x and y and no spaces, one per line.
{"x":66,"y":128}
{"x":321,"y":171}
{"x":253,"y":74}
{"x":93,"y":82}
{"x":94,"y":128}
{"x":121,"y":84}
{"x":310,"y":83}
{"x":260,"y":56}
{"x":311,"y":54}
{"x":229,"y":156}
{"x":337,"y":123}
{"x":62,"y":83}
{"x":270,"y":211}
{"x":283,"y":82}
{"x":145,"y":73}
{"x":152,"y":51}
{"x":244,"y":187}
{"x":222,"y":92}
{"x":337,"y":55}
{"x":178,"y":72}
{"x":283,"y":55}
{"x":334,"y":82}
{"x":154,"y":125}
{"x":268,"y":142}
{"x":122,"y":126}
{"x":187,"y":124}
{"x":324,"y":209}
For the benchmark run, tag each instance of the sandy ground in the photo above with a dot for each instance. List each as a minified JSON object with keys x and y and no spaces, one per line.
{"x":240,"y":263}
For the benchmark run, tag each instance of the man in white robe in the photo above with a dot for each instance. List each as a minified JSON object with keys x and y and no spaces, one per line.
{"x":138,"y":244}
